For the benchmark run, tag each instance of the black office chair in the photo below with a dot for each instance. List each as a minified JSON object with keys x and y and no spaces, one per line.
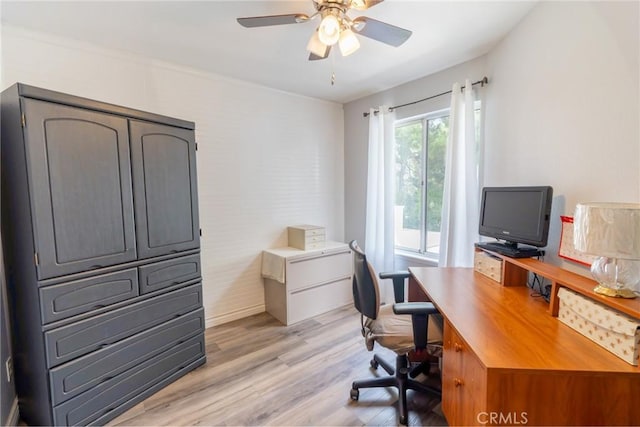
{"x":391,"y":327}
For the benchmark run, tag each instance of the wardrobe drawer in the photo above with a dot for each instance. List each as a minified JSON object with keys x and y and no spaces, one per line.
{"x":327,"y":266}
{"x":168,"y":273}
{"x":110,"y":395}
{"x":79,"y":375}
{"x":85,"y":336}
{"x":72,"y":298}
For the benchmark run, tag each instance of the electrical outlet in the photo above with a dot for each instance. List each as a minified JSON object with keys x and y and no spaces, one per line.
{"x":9,"y":366}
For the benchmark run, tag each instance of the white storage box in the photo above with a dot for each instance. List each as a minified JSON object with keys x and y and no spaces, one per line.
{"x":615,"y":331}
{"x":488,"y":265}
{"x":306,"y":237}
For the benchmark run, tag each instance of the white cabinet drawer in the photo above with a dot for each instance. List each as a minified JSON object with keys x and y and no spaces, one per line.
{"x":305,"y":272}
{"x":299,"y":284}
{"x":305,"y":303}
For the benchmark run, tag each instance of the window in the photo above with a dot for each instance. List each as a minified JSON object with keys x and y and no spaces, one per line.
{"x":420,"y":157}
{"x":420,"y":153}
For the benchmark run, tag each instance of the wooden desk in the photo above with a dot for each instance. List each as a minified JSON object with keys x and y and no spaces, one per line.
{"x":507,"y":360}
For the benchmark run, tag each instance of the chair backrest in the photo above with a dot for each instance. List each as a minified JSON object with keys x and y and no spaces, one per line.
{"x":366,"y":295}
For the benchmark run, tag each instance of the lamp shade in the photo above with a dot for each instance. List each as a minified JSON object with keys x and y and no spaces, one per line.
{"x":608,"y":229}
{"x":316,"y":47}
{"x":348,"y":42}
{"x":329,"y":30}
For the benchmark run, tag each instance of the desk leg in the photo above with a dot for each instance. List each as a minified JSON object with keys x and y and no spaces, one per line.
{"x":513,"y":275}
{"x":554,"y":302}
{"x":415,"y":291}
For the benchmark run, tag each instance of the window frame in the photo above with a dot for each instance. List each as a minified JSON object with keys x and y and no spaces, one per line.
{"x":422,"y":252}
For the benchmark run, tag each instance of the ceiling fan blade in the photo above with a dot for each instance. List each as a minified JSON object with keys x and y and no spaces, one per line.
{"x":380,"y":31}
{"x":364,"y":4}
{"x":265,"y":21}
{"x":314,"y":57}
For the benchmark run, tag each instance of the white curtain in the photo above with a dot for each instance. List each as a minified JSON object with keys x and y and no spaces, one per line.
{"x":460,"y":205}
{"x":379,"y":237}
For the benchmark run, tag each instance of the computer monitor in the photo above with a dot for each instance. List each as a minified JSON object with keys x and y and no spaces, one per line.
{"x":516,"y":214}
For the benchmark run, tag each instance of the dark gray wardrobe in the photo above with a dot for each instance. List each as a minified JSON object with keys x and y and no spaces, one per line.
{"x":102,"y":254}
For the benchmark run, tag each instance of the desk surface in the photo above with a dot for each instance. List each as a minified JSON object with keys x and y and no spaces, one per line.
{"x":507,"y":328}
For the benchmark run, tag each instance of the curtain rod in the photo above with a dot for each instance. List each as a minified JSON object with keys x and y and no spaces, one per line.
{"x":482,"y":82}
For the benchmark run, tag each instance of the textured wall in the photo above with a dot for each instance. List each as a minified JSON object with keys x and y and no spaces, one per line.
{"x":266,"y":159}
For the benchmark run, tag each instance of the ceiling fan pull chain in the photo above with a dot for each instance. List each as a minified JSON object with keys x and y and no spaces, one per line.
{"x":333,"y":70}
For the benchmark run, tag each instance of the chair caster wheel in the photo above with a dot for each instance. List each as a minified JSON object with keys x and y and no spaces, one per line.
{"x":403,"y":420}
{"x":374,"y":363}
{"x":355,"y":394}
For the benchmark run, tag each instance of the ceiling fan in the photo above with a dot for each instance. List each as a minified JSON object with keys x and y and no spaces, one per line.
{"x":336,"y":26}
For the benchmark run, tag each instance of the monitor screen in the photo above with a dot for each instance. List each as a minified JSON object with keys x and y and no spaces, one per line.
{"x":516,"y":214}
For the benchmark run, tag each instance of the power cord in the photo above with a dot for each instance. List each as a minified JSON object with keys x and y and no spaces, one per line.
{"x":543,"y":291}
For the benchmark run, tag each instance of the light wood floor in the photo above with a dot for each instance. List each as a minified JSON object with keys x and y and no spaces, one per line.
{"x":259,"y":372}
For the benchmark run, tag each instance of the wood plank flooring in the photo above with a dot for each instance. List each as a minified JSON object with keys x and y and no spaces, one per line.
{"x":259,"y":372}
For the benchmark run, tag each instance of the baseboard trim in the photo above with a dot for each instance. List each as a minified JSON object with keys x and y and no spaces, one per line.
{"x":234,"y":315}
{"x":14,"y":414}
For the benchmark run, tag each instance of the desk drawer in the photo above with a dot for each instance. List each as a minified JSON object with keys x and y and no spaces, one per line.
{"x":77,"y":376}
{"x":167,"y":273}
{"x":324,"y":267}
{"x":98,"y":332}
{"x":80,"y":296}
{"x":464,"y":380}
{"x":110,"y":395}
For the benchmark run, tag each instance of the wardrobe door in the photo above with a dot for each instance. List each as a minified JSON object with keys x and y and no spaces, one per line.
{"x":80,"y":184}
{"x":165,"y":189}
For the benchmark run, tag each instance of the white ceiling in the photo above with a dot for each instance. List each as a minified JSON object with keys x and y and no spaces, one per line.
{"x":205,"y":35}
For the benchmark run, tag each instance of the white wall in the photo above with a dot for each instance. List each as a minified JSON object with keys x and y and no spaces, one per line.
{"x":266,"y":159}
{"x":562,"y":108}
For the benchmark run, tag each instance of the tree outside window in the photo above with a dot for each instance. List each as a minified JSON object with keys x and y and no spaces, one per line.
{"x":420,"y":151}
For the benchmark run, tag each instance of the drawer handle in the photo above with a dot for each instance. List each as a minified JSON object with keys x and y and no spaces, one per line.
{"x":95,"y":266}
{"x":457,"y":348}
{"x":99,"y":306}
{"x":104,"y":344}
{"x":457,"y":382}
{"x":105,"y":379}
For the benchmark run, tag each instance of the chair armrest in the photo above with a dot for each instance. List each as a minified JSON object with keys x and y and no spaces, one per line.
{"x":393,"y":274}
{"x":419,"y":308}
{"x":398,"y":278}
{"x":419,"y":312}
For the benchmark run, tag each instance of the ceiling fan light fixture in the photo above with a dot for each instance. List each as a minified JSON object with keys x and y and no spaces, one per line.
{"x":348,"y":42}
{"x":329,"y":30}
{"x":358,"y":25}
{"x":316,"y":46}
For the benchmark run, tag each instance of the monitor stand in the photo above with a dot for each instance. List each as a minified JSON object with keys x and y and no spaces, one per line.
{"x":510,"y":249}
